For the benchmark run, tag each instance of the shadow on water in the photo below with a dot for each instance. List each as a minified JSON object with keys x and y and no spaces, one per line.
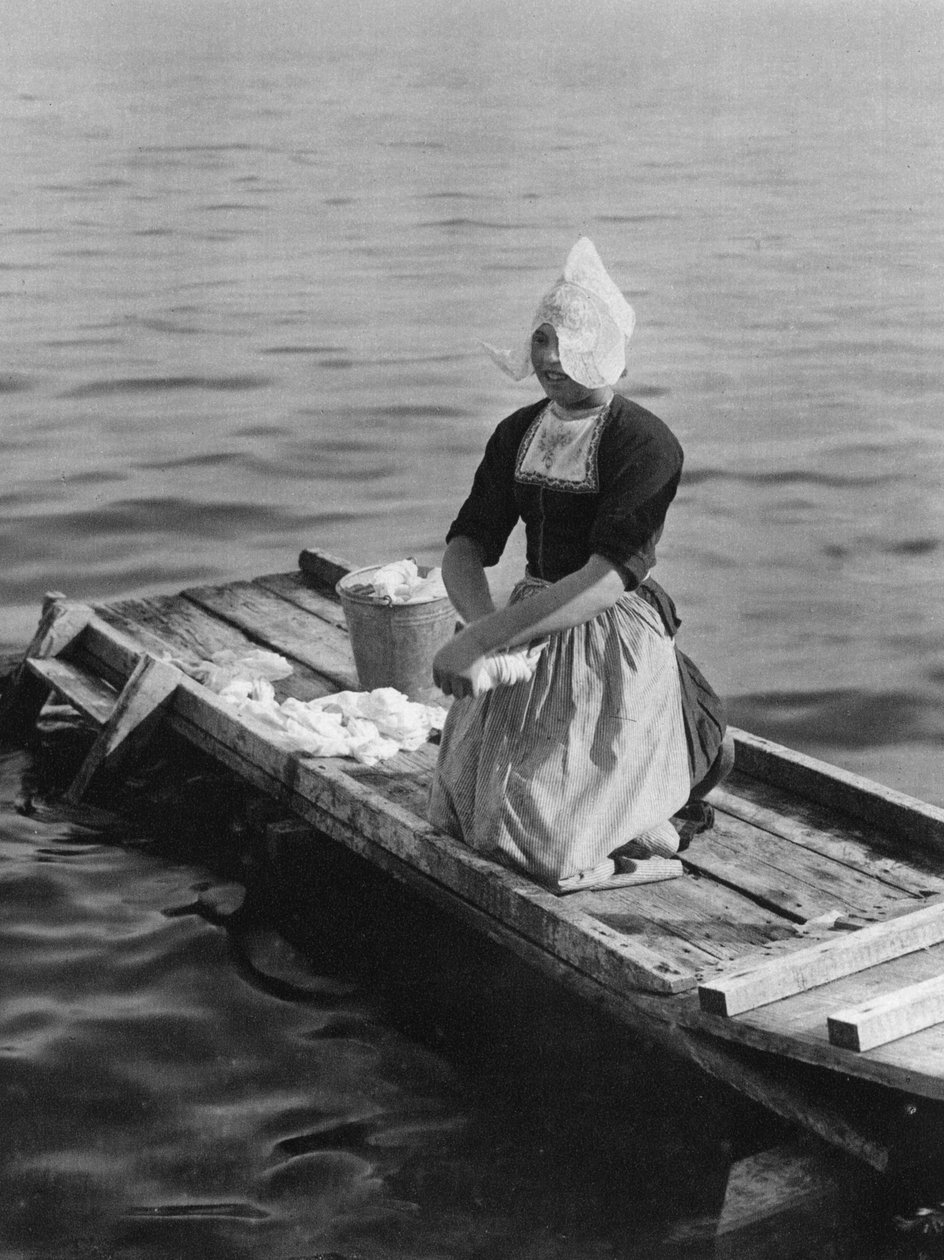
{"x":215,"y":1050}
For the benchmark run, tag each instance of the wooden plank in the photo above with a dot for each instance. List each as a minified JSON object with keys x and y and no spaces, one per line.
{"x":754,"y":1078}
{"x":698,"y":922}
{"x":138,"y":710}
{"x":755,"y":985}
{"x":823,"y":831}
{"x":296,"y":589}
{"x":319,"y":790}
{"x":171,"y":627}
{"x":322,"y":569}
{"x":904,"y":816}
{"x":9,"y":663}
{"x":792,"y":880}
{"x":24,"y":695}
{"x":174,"y":627}
{"x":404,"y":779}
{"x":889,"y":1017}
{"x":282,"y":626}
{"x":86,"y":693}
{"x":786,"y":1203}
{"x":716,"y":919}
{"x":652,"y":870}
{"x":796,"y":1027}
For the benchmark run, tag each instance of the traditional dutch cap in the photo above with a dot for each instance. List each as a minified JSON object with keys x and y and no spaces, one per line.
{"x":592,"y":320}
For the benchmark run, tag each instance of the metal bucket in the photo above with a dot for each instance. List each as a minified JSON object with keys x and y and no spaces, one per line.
{"x":394,"y":644}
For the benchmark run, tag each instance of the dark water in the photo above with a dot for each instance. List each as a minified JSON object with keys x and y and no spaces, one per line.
{"x":179,"y":1080}
{"x":247,"y":250}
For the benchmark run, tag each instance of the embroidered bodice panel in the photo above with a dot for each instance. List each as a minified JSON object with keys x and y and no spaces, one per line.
{"x":560,"y":452}
{"x":599,"y":483}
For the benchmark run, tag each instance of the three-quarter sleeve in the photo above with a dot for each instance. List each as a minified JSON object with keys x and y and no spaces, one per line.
{"x":641,"y":465}
{"x":490,"y":512}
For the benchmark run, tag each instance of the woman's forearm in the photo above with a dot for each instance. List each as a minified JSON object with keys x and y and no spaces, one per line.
{"x":464,"y":577}
{"x":577,"y":598}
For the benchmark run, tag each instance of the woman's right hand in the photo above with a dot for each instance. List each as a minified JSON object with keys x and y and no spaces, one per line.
{"x":459,"y":667}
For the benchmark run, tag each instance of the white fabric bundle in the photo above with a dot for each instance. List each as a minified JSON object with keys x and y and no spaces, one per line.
{"x":227,"y":666}
{"x":402,"y":583}
{"x":367,"y":725}
{"x":503,"y":669}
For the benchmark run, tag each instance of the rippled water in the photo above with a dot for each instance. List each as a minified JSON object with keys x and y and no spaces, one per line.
{"x":245,"y":254}
{"x":247,"y":250}
{"x":179,"y":1081}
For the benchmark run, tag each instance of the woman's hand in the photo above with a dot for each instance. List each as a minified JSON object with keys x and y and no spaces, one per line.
{"x":459,"y":667}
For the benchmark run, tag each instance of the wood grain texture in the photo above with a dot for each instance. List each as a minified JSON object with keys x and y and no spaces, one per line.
{"x":323,"y":570}
{"x":793,"y":880}
{"x":61,"y":622}
{"x":297,"y":590}
{"x":131,"y":722}
{"x":170,"y":627}
{"x":86,"y":693}
{"x":889,"y":1017}
{"x":914,"y":821}
{"x":275,"y":623}
{"x":756,"y":984}
{"x":820,"y":830}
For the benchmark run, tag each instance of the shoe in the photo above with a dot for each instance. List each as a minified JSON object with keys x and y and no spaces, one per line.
{"x":692,"y":819}
{"x":659,"y":841}
{"x":622,"y":874}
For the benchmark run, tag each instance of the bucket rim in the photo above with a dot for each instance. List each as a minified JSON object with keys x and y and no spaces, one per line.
{"x":381,"y":601}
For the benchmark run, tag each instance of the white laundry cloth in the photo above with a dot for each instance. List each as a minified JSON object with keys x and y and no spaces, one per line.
{"x":402,"y":583}
{"x":226,"y":667}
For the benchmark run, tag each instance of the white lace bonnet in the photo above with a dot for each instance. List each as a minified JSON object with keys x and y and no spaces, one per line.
{"x":592,"y":319}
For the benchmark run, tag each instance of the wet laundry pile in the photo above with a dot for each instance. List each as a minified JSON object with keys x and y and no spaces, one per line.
{"x":367,"y":725}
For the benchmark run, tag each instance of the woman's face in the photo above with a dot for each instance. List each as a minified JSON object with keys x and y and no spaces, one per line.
{"x":559,"y":387}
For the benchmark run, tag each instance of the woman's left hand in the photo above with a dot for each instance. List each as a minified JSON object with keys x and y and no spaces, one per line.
{"x":459,"y":668}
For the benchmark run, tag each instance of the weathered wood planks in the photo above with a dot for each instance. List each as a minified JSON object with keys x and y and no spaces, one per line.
{"x":774,"y":863}
{"x":915,"y":821}
{"x":320,"y":791}
{"x":131,"y":722}
{"x":757,"y":984}
{"x":285,"y":627}
{"x":889,"y":1017}
{"x":87,"y":694}
{"x":788,"y":878}
{"x":822,"y":831}
{"x":61,"y":621}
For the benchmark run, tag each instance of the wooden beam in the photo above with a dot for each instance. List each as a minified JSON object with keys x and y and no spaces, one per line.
{"x":889,"y":1017}
{"x":904,"y":816}
{"x":281,"y":626}
{"x":788,"y":1202}
{"x":759,"y":1077}
{"x":132,"y":720}
{"x":86,"y":693}
{"x":755,"y":985}
{"x":323,"y":569}
{"x":61,"y":621}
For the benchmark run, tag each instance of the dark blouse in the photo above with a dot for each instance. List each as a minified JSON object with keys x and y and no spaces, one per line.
{"x":619,"y":513}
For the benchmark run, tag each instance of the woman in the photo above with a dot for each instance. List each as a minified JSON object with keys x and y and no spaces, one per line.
{"x":578,"y":729}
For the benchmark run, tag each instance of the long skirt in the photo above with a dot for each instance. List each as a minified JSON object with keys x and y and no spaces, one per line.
{"x":551,"y":775}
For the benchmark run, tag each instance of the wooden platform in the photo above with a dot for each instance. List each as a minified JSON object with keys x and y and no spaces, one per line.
{"x":809,"y":926}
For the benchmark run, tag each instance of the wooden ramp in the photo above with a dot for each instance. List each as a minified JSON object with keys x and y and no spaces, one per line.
{"x":809,"y":926}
